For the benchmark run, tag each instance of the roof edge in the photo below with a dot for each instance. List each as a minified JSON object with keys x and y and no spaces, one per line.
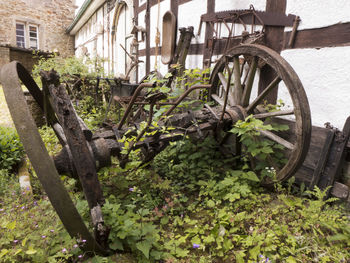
{"x":81,"y":12}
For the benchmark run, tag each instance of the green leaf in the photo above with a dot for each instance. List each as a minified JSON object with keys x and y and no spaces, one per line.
{"x":164,"y":220}
{"x":252,"y":176}
{"x":117,"y":245}
{"x":24,"y":241}
{"x":11,"y":225}
{"x":208,"y":239}
{"x":240,"y":256}
{"x":232,"y":196}
{"x":254,"y":252}
{"x":290,"y":259}
{"x":31,"y":251}
{"x":144,"y":247}
{"x":211,"y":203}
{"x":3,"y":252}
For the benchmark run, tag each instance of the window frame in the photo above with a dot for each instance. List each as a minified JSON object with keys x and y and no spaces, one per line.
{"x":35,"y":38}
{"x":28,"y":35}
{"x":21,"y":36}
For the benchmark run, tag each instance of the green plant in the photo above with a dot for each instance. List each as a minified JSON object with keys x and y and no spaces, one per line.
{"x":268,"y":155}
{"x":11,"y":149}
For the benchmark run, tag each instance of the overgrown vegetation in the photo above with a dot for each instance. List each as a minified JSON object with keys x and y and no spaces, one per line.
{"x":191,"y":204}
{"x":11,"y":149}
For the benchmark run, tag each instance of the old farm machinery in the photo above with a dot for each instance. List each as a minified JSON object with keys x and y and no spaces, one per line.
{"x":230,"y":96}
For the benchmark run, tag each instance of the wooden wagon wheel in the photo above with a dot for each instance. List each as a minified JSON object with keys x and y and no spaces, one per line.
{"x":236,"y":74}
{"x":10,"y":77}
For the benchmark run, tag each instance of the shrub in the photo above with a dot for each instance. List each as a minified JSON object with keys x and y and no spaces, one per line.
{"x":11,"y":149}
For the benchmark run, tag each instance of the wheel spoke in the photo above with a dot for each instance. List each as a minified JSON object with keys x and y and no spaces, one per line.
{"x":263,"y":94}
{"x":250,"y":81}
{"x":224,"y":86}
{"x":273,"y":114}
{"x":238,"y":91}
{"x":217,"y":99}
{"x":277,"y":139}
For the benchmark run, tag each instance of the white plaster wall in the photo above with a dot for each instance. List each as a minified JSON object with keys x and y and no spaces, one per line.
{"x":164,"y":7}
{"x":325,"y":74}
{"x":319,"y":13}
{"x":141,"y":22}
{"x":223,"y":5}
{"x":189,"y":14}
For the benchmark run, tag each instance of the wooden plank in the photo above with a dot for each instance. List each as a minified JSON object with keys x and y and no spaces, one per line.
{"x":330,"y":36}
{"x":155,"y":2}
{"x":136,"y":21}
{"x":336,"y":158}
{"x":208,"y":35}
{"x":267,"y":18}
{"x":148,"y":36}
{"x":273,"y":39}
{"x":198,"y":49}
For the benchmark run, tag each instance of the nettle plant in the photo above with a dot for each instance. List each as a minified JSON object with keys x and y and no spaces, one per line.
{"x":263,"y":150}
{"x":11,"y":149}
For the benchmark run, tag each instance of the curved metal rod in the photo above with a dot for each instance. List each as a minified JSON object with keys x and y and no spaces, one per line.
{"x":184,"y":95}
{"x":131,"y":103}
{"x":43,"y":164}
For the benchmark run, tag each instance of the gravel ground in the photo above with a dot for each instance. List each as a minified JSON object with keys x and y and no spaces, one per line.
{"x":5,"y":117}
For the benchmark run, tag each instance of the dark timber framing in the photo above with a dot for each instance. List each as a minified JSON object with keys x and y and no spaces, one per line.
{"x":136,"y":21}
{"x":274,"y":40}
{"x":208,"y":34}
{"x":148,"y":36}
{"x":330,"y":36}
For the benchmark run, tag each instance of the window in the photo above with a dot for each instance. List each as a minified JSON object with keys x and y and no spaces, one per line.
{"x":33,"y":37}
{"x":27,"y":35}
{"x":20,"y":35}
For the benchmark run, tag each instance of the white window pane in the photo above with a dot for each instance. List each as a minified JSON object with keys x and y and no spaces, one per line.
{"x":20,"y":42}
{"x":33,"y":43}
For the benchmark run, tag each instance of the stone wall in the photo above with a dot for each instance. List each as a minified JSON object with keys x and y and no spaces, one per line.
{"x":25,"y":58}
{"x":4,"y":55}
{"x":51,"y":16}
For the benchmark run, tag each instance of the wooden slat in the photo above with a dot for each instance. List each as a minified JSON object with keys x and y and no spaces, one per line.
{"x":331,"y":36}
{"x":155,"y":2}
{"x":208,"y":34}
{"x":148,"y":36}
{"x":274,"y":40}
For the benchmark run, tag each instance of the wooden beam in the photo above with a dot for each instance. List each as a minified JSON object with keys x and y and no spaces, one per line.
{"x":181,"y":2}
{"x":155,"y":2}
{"x":198,"y":49}
{"x":174,"y":7}
{"x":208,"y":35}
{"x":273,"y":39}
{"x":331,"y":36}
{"x":148,"y":36}
{"x":136,"y":21}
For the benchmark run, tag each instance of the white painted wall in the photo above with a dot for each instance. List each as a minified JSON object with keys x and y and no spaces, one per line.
{"x":325,"y":73}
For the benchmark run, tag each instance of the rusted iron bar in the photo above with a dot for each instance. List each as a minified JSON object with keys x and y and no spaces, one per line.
{"x":184,"y":95}
{"x":133,"y":99}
